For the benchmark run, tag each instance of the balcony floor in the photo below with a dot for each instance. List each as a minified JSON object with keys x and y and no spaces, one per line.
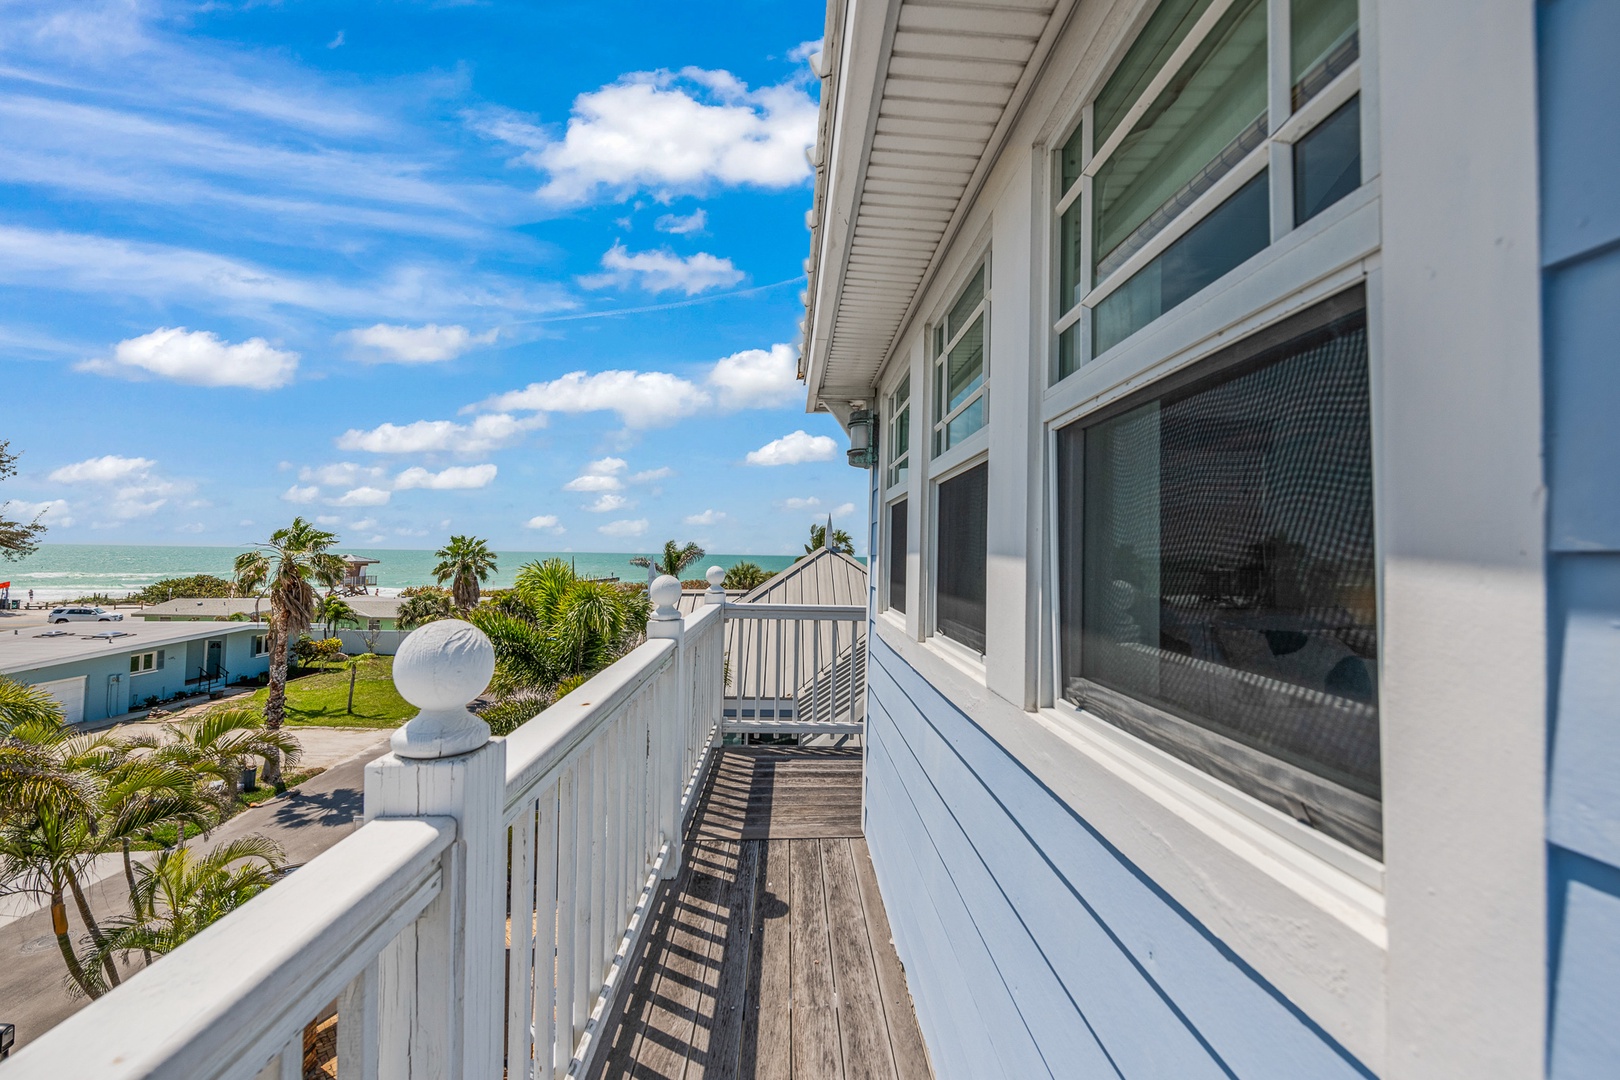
{"x":769,"y":955}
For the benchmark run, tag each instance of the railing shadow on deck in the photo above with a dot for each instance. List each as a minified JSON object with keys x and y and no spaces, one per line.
{"x":483,"y":920}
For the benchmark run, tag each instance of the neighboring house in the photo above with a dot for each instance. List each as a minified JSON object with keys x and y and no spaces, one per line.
{"x":97,"y":672}
{"x":1243,"y":513}
{"x":378,"y":618}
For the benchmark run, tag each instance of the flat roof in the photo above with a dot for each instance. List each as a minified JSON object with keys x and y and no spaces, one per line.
{"x":30,"y":648}
{"x":367,"y":607}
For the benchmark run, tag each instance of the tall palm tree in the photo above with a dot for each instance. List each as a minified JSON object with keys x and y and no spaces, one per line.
{"x":423,"y":607}
{"x":464,"y":562}
{"x":292,"y":562}
{"x":674,"y":559}
{"x":335,"y":611}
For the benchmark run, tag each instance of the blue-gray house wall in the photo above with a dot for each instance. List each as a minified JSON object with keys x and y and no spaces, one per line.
{"x":1579,"y":113}
{"x":1032,"y":947}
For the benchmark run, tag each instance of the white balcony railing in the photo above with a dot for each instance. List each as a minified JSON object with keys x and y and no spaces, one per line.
{"x":795,"y":669}
{"x":481,"y":923}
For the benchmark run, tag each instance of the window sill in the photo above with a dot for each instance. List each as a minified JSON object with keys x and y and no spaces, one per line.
{"x":960,"y":455}
{"x":959,"y":656}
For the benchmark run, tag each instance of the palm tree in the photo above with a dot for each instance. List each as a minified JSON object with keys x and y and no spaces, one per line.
{"x":293,"y":558}
{"x":220,"y":743}
{"x":335,"y":611}
{"x":825,"y":536}
{"x":674,"y":559}
{"x":464,"y":562}
{"x":425,"y":606}
{"x":184,"y":892}
{"x":745,"y":576}
{"x":22,"y":704}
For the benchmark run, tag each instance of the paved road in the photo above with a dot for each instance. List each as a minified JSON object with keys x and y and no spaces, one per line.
{"x":306,"y":822}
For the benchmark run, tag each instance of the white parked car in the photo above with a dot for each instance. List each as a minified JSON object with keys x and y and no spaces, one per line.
{"x":84,"y":614}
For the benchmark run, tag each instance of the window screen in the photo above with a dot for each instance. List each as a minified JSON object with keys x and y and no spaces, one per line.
{"x":959,"y":590}
{"x":1218,"y":573}
{"x":897,"y":555}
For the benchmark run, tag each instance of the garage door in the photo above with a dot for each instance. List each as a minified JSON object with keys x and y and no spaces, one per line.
{"x":69,"y":693}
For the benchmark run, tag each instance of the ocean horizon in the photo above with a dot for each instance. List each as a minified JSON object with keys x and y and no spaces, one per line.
{"x":68,"y":571}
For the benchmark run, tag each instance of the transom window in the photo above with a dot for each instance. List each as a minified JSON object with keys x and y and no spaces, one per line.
{"x":141,"y":663}
{"x":1218,"y":574}
{"x":1166,"y":184}
{"x":900,"y":432}
{"x":960,"y":378}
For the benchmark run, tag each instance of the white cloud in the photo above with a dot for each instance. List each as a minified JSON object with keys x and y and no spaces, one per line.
{"x":364,"y":523}
{"x":607,"y":466}
{"x":642,"y":399}
{"x":429,"y":344}
{"x":843,"y":510}
{"x":328,"y":519}
{"x":637,"y":527}
{"x":708,"y":517}
{"x":695,"y":222}
{"x":794,"y":449}
{"x":340,"y":474}
{"x":547,"y":522}
{"x":647,"y":476}
{"x":757,"y":378}
{"x":805,"y":50}
{"x":336,"y":42}
{"x":455,"y":478}
{"x":193,"y":527}
{"x":800,"y":504}
{"x":51,"y":512}
{"x":481,"y":435}
{"x":103,"y":470}
{"x":201,"y":358}
{"x":361,"y":496}
{"x":607,"y":502}
{"x":669,"y":133}
{"x":662,"y":271}
{"x":299,"y":495}
{"x":594,"y":483}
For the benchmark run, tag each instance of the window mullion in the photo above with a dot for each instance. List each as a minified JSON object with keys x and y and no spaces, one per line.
{"x":1279,"y":104}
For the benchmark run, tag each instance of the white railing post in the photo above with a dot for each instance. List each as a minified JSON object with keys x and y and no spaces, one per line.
{"x":716,"y":593}
{"x":440,"y":984}
{"x":666,"y":622}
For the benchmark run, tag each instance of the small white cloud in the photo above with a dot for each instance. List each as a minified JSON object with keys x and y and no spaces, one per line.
{"x":647,"y":476}
{"x":757,"y":378}
{"x":708,"y":517}
{"x":340,"y":474}
{"x":594,"y":483}
{"x":794,"y":449}
{"x":637,"y":527}
{"x":483,"y":434}
{"x":800,"y":504}
{"x":52,"y":512}
{"x":695,"y":222}
{"x":608,"y":466}
{"x":607,"y":502}
{"x":363,"y":524}
{"x":455,"y":478}
{"x":429,"y":344}
{"x":192,"y":527}
{"x":642,"y":399}
{"x":546,"y":522}
{"x":662,"y":271}
{"x":336,"y":42}
{"x":201,"y":358}
{"x":843,"y":510}
{"x":361,"y":496}
{"x":299,"y":495}
{"x":108,"y":469}
{"x":328,"y":519}
{"x":804,"y":50}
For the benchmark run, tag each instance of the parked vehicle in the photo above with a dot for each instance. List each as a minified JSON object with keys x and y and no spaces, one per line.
{"x":84,"y":614}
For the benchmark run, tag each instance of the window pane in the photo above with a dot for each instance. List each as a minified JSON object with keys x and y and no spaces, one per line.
{"x":1205,"y":121}
{"x":1327,"y":162}
{"x":1069,"y":351}
{"x":897,"y":555}
{"x":1147,"y":54}
{"x":1217,"y":567}
{"x":1318,"y":29}
{"x":900,"y":442}
{"x":1069,"y":161}
{"x":965,"y":423}
{"x":964,"y":368}
{"x":1231,"y":233}
{"x":963,"y":520}
{"x":1070,"y":286}
{"x":146,"y":662}
{"x":964,"y":305}
{"x":134,"y":664}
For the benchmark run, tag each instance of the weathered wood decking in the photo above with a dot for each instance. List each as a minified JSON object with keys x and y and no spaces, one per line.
{"x":769,"y":955}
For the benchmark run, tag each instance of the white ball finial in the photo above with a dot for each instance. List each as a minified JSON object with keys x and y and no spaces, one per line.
{"x":716,"y":577}
{"x":665,"y":593}
{"x":439,"y":668}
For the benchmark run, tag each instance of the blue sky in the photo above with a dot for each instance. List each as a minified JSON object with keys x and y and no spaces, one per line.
{"x":527,"y":270}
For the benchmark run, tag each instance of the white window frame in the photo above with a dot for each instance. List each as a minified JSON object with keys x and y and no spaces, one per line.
{"x":944,"y":457}
{"x":144,"y":668}
{"x":893,"y":454}
{"x":1285,"y":126}
{"x":260,"y":645}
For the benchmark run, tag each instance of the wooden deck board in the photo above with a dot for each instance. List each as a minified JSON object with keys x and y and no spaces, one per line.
{"x":769,"y":957}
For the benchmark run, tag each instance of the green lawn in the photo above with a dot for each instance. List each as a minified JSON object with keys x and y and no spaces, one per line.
{"x":321,"y":700}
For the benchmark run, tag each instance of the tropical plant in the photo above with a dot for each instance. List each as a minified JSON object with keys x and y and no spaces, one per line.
{"x":220,"y":743}
{"x":23,"y":704}
{"x":745,"y":576}
{"x":334,"y":611}
{"x":674,"y":559}
{"x":191,"y":586}
{"x":17,"y":538}
{"x":465,"y":562}
{"x":292,"y":562}
{"x":427,"y":604}
{"x":183,"y":892}
{"x":310,"y":650}
{"x":825,"y":536}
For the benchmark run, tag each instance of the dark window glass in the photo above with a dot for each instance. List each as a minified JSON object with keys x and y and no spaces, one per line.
{"x":897,"y":555}
{"x":1327,"y":162}
{"x":1217,"y":570}
{"x":959,"y":592}
{"x":1233,"y":231}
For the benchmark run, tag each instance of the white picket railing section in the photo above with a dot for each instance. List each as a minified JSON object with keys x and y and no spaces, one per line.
{"x":795,"y":668}
{"x":482,"y":921}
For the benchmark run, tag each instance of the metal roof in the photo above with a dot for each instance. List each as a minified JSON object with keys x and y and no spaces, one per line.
{"x":823,"y":577}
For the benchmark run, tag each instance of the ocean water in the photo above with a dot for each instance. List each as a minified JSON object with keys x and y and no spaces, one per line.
{"x":67,"y":571}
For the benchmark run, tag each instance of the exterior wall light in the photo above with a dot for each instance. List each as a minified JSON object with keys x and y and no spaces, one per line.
{"x":862,"y":439}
